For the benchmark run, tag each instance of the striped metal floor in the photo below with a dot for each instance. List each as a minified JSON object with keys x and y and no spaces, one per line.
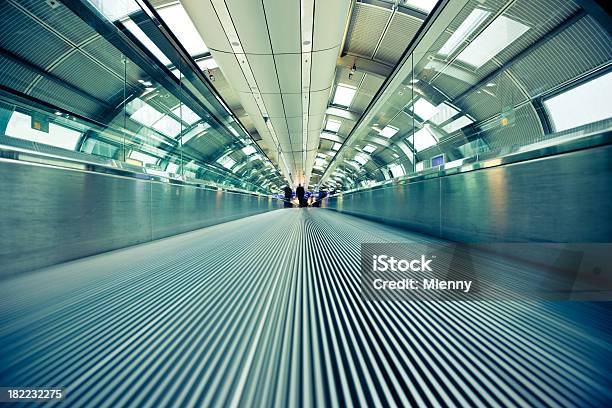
{"x":265,"y":311}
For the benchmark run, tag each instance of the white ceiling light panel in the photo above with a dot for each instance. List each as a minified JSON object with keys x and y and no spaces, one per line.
{"x":344,"y":95}
{"x":333,"y":125}
{"x":502,"y":32}
{"x":182,"y":27}
{"x":469,"y":25}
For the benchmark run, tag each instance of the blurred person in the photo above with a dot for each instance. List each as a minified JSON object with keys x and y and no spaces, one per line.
{"x":299,"y":192}
{"x":288,"y":197}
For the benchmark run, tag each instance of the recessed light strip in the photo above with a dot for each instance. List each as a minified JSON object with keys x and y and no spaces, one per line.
{"x":306,"y":23}
{"x":232,"y":35}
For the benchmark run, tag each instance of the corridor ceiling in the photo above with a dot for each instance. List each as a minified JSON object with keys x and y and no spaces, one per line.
{"x":281,"y":60}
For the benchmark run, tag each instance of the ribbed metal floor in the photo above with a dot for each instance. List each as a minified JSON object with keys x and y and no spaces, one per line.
{"x":265,"y":311}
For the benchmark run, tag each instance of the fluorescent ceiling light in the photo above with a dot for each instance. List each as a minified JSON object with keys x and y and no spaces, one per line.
{"x":320,"y":162}
{"x":333,"y":125}
{"x":424,"y":109}
{"x":193,"y":133}
{"x":329,"y":136}
{"x":187,"y":115}
{"x":208,"y":63}
{"x":115,"y":9}
{"x":584,"y":104}
{"x":336,"y":146}
{"x":146,"y":115}
{"x":146,"y":41}
{"x":457,"y":124}
{"x":248,"y":150}
{"x":143,"y":158}
{"x":168,"y":126}
{"x":344,"y":95}
{"x":226,"y":162}
{"x":388,"y":131}
{"x":469,"y":25}
{"x":445,"y":112}
{"x":233,"y":131}
{"x":362,"y":158}
{"x":353,"y":164}
{"x":502,"y":32}
{"x":397,"y":170}
{"x":172,"y":167}
{"x":424,"y":139}
{"x":422,"y":5}
{"x":369,"y":148}
{"x":181,"y":25}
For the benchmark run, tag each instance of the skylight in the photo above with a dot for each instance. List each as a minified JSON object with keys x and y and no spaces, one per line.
{"x":208,"y":63}
{"x":586,"y":103}
{"x":146,"y":115}
{"x":333,"y":125}
{"x":445,"y":112}
{"x":320,"y":162}
{"x":168,"y":126}
{"x":114,"y":9}
{"x":344,"y":95}
{"x":172,"y":168}
{"x":422,"y":5}
{"x":457,"y":124}
{"x":369,"y":148}
{"x":143,"y":158}
{"x":469,"y":25}
{"x":388,"y":131}
{"x":397,"y":170}
{"x":362,"y":158}
{"x":146,"y":41}
{"x":187,"y":115}
{"x":232,"y":130}
{"x":226,"y":162}
{"x":181,"y":25}
{"x":424,"y":139}
{"x":196,"y":131}
{"x":502,"y":32}
{"x":424,"y":109}
{"x":248,"y":150}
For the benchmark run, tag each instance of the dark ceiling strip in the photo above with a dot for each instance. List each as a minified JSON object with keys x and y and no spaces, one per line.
{"x":596,"y":10}
{"x":48,"y":75}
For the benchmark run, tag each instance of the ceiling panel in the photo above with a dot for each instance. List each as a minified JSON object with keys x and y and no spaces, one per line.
{"x":264,"y":70}
{"x":294,"y":124}
{"x":212,"y":32}
{"x":315,"y":122}
{"x":249,"y":20}
{"x":289,"y":68}
{"x":400,"y":32}
{"x":293,"y":105}
{"x":286,"y":16}
{"x":367,"y":26}
{"x":322,"y":78}
{"x":230,"y":68}
{"x":330,"y":22}
{"x":274,"y":105}
{"x":318,"y":102}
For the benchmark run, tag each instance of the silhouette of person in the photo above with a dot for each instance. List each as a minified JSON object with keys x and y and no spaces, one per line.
{"x":299,"y":192}
{"x":288,"y":196}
